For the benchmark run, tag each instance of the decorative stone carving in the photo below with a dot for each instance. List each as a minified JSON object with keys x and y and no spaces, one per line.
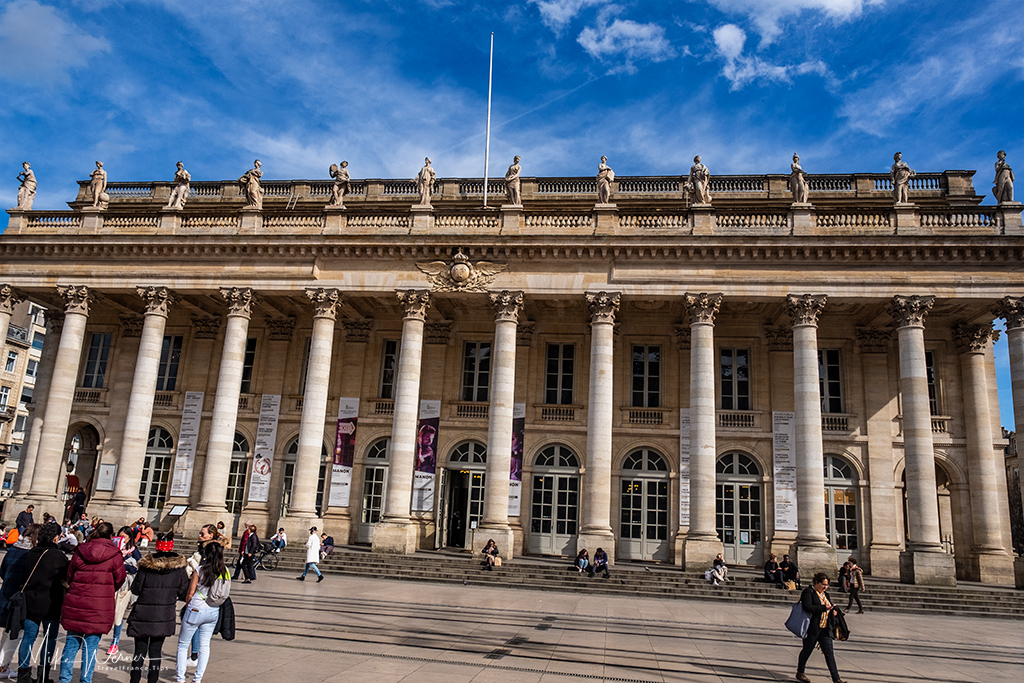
{"x":798,"y":181}
{"x":513,"y":187}
{"x":603,"y":306}
{"x":240,"y":300}
{"x":425,"y":182}
{"x":1012,"y":310}
{"x":357,"y":331}
{"x":973,"y":338}
{"x":27,"y":190}
{"x":605,"y":178}
{"x":205,"y":326}
{"x":158,"y":299}
{"x":804,"y":309}
{"x":325,"y":301}
{"x":98,"y":187}
{"x":414,"y":302}
{"x":1003,"y":190}
{"x":77,"y":298}
{"x":874,"y":339}
{"x":181,"y":190}
{"x":702,"y":308}
{"x":901,"y":174}
{"x":341,"y":181}
{"x":251,"y":186}
{"x":682,"y":337}
{"x":699,"y":185}
{"x":909,"y":310}
{"x":524,"y":334}
{"x":507,"y":305}
{"x":438,"y":333}
{"x":460,"y":275}
{"x":131,"y":325}
{"x":54,"y":321}
{"x":778,"y":338}
{"x":280,"y":329}
{"x":9,"y":298}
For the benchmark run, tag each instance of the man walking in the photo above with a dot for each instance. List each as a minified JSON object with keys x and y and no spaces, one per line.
{"x":856,"y":586}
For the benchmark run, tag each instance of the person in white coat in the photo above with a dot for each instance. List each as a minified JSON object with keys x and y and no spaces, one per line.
{"x":312,"y":556}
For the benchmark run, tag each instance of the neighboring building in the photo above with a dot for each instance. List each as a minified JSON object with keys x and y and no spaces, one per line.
{"x":668,"y":379}
{"x":1013,"y":488}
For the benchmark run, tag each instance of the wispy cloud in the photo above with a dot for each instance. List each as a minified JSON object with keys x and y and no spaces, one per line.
{"x":767,"y":15}
{"x":742,"y":69}
{"x":625,"y":40}
{"x":40,"y":48}
{"x":556,"y":14}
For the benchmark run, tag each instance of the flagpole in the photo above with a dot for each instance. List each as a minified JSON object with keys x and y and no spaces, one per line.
{"x":487,"y":144}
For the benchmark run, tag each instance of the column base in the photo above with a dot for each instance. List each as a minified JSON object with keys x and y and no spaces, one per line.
{"x":995,"y":567}
{"x":298,"y":526}
{"x":883,"y":561}
{"x":811,"y":559}
{"x":597,"y":538}
{"x":124,"y":513}
{"x":699,"y":553}
{"x":927,"y":569}
{"x":503,"y":538}
{"x":339,"y":525}
{"x":396,"y":538}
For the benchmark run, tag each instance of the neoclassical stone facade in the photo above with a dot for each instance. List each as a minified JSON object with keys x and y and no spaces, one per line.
{"x":661,"y":378}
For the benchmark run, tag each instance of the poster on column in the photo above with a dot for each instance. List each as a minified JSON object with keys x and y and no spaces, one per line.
{"x":515,"y":479}
{"x":684,"y":467}
{"x":344,"y":453}
{"x":425,"y":467}
{"x":784,"y":458}
{"x":263,"y":454}
{"x":188,"y":435}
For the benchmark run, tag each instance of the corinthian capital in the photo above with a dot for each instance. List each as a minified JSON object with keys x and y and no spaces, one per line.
{"x":415,"y":302}
{"x":240,"y":300}
{"x":1012,"y":310}
{"x":603,"y":306}
{"x":507,"y":305}
{"x":702,"y":308}
{"x":9,"y":298}
{"x":973,"y":338}
{"x":325,"y":301}
{"x":804,"y":309}
{"x":158,"y":300}
{"x":77,"y":298}
{"x":909,"y":311}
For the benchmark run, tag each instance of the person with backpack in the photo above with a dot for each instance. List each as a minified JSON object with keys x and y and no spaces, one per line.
{"x":45,"y":568}
{"x":13,"y":581}
{"x":208,"y":589}
{"x":160,"y":582}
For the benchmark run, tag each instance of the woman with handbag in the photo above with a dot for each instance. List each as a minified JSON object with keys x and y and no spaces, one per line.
{"x":818,"y":605}
{"x":13,"y":581}
{"x":207,"y":591}
{"x":160,"y":582}
{"x":43,"y":591}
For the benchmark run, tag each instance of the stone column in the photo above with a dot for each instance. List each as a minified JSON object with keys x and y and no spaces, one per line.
{"x":9,"y":298}
{"x":923,"y":561}
{"x":507,"y":307}
{"x":225,"y":404}
{"x":702,"y":542}
{"x":49,"y":465}
{"x":396,"y":533}
{"x":140,"y":402}
{"x":596,"y":528}
{"x":989,"y":561}
{"x":302,"y":511}
{"x":1012,"y":309}
{"x":814,"y":554}
{"x":37,"y":410}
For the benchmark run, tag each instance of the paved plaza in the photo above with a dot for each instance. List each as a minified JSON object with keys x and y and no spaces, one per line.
{"x":347,"y":630}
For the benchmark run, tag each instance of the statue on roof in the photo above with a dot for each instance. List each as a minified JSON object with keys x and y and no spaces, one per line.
{"x":605,"y":178}
{"x":181,"y":190}
{"x":901,"y":174}
{"x":98,"y":187}
{"x":341,"y":180}
{"x":798,"y":181}
{"x":27,"y":191}
{"x":513,"y":188}
{"x":250,"y":185}
{"x":425,"y":182}
{"x":1003,"y":189}
{"x":700,"y":182}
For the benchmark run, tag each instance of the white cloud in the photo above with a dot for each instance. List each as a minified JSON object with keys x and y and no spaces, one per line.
{"x":729,"y":40}
{"x":767,"y":14}
{"x":39,"y":47}
{"x":626,"y":38}
{"x":556,"y":14}
{"x":741,"y":69}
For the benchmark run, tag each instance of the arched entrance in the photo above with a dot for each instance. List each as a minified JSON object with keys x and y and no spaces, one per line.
{"x":738,"y":508}
{"x":288,"y":476}
{"x":643,"y":506}
{"x":462,"y":493}
{"x":156,"y":470}
{"x":841,"y":507}
{"x":82,"y":451}
{"x":238,"y":476}
{"x":375,"y":477}
{"x":555,"y":502}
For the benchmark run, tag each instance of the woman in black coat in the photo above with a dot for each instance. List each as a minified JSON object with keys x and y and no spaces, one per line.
{"x":160,"y":582}
{"x":817,"y":603}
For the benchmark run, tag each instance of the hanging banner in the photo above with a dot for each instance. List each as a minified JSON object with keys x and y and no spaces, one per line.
{"x":515,"y":479}
{"x":784,"y":457}
{"x":425,"y":467}
{"x":263,"y":454}
{"x":684,"y":467}
{"x":188,"y":436}
{"x":344,"y":453}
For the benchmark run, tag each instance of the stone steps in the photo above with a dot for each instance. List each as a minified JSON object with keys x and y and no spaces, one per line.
{"x":650,"y":581}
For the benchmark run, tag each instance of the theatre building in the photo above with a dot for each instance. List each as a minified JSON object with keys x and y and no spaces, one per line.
{"x":657,"y":374}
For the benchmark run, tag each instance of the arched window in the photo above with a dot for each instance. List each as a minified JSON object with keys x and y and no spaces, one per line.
{"x":469,"y":452}
{"x":841,"y":505}
{"x":554,"y":507}
{"x":738,"y":509}
{"x":238,"y":474}
{"x":156,"y":469}
{"x":288,"y":476}
{"x":375,"y":476}
{"x":645,"y":459}
{"x":644,"y":506}
{"x":557,"y":456}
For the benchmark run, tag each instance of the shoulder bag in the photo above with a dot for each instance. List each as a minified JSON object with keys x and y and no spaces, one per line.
{"x":17,"y":609}
{"x":798,"y":621}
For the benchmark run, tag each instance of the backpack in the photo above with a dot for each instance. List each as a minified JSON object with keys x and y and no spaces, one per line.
{"x":218,"y":592}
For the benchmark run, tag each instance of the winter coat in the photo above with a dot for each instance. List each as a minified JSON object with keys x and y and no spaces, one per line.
{"x":313,"y":548}
{"x":252,"y":544}
{"x":44,"y":594}
{"x":95,"y":573}
{"x":13,"y":579}
{"x":160,"y":582}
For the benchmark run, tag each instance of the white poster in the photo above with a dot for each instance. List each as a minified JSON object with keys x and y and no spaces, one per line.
{"x":344,"y":453}
{"x":784,"y":436}
{"x":188,"y":435}
{"x":263,"y":454}
{"x":515,"y":480}
{"x":684,"y":467}
{"x":425,"y":465}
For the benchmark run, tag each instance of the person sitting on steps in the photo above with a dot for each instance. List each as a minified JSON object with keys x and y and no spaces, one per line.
{"x":490,"y":555}
{"x":600,"y":563}
{"x":582,"y":560}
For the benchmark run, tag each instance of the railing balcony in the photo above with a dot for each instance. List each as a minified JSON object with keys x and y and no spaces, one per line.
{"x":940,"y":424}
{"x":738,"y":419}
{"x":383,"y":406}
{"x":558,"y":413}
{"x":17,"y":334}
{"x":165,"y":399}
{"x":247,"y":402}
{"x":7,"y":413}
{"x":834,"y":422}
{"x":91,"y":396}
{"x":472,"y":411}
{"x":645,"y":416}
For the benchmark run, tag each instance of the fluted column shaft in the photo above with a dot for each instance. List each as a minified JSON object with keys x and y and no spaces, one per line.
{"x":702,"y":309}
{"x":597,"y":491}
{"x":140,"y":401}
{"x":26,"y":467}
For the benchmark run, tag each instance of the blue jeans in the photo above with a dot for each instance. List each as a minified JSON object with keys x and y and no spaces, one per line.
{"x":117,"y":633}
{"x":278,"y":544}
{"x":28,"y":639}
{"x":72,"y":644}
{"x":315,"y":568}
{"x":200,"y":619}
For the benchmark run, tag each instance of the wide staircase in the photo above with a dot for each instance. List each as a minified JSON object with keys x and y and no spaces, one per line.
{"x":649,"y":580}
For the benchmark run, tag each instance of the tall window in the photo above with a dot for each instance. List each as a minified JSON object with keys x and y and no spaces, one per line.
{"x":305,"y":364}
{"x":5,"y":395}
{"x":20,"y":423}
{"x":933,"y":382}
{"x":247,"y":363}
{"x":96,"y":360}
{"x":829,"y":385}
{"x":735,"y":378}
{"x":37,"y":340}
{"x":476,"y":371}
{"x":558,"y":385}
{"x":156,"y":469}
{"x":170,"y":354}
{"x":389,"y":369}
{"x":646,"y":376}
{"x":32,"y":368}
{"x":12,"y":360}
{"x":237,"y":474}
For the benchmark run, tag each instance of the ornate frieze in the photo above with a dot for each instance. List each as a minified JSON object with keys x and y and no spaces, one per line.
{"x":909,"y":311}
{"x":414,"y":302}
{"x":603,"y":306}
{"x":778,"y":338}
{"x":158,"y":299}
{"x":973,"y":338}
{"x":357,"y":331}
{"x":874,"y":339}
{"x":325,"y":302}
{"x":703,"y":307}
{"x":438,"y":332}
{"x":507,"y":305}
{"x":205,"y":326}
{"x":524,"y":334}
{"x":1012,"y":310}
{"x":77,"y":298}
{"x":280,"y":329}
{"x":131,"y":325}
{"x":804,"y":309}
{"x":460,"y":274}
{"x":9,"y":298}
{"x":240,"y":300}
{"x":682,"y":337}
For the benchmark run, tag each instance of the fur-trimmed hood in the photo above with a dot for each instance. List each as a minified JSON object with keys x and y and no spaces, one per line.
{"x":162,"y":562}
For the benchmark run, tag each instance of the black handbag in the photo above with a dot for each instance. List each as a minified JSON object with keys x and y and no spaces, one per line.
{"x":17,"y":608}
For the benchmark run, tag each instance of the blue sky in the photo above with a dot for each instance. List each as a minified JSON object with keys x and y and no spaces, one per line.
{"x":302,"y":84}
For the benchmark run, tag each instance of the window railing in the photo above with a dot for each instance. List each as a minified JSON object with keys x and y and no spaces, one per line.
{"x":472,"y":411}
{"x":832,"y":422}
{"x":165,"y":399}
{"x":645,"y":416}
{"x":91,"y":396}
{"x":558,"y":413}
{"x":738,"y":419}
{"x":383,"y":406}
